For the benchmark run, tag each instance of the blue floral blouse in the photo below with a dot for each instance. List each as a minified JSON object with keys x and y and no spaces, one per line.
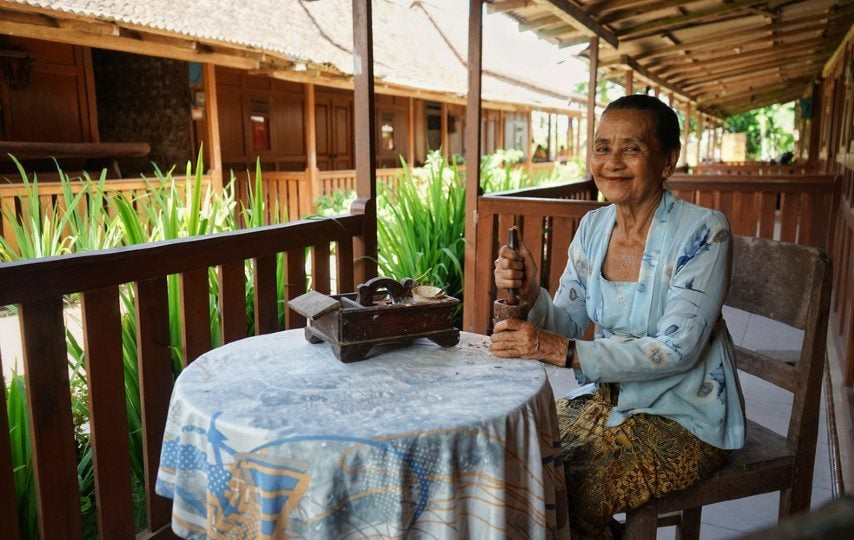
{"x":671,"y":353}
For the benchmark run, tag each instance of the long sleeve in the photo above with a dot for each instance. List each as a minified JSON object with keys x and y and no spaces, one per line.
{"x":697,"y":281}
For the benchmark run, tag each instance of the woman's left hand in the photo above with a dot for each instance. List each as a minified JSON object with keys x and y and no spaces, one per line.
{"x":514,"y":338}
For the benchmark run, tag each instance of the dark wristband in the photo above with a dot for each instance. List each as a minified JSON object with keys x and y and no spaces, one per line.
{"x":570,"y":353}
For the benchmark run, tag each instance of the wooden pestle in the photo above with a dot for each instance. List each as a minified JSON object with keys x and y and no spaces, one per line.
{"x":510,"y":307}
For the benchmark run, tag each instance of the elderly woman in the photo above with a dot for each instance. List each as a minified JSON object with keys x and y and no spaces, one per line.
{"x":663,"y":405}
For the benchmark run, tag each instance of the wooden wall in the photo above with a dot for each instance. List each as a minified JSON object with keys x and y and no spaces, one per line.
{"x":54,"y":100}
{"x":260,"y":117}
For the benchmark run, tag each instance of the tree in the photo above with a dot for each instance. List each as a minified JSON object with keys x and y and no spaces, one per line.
{"x":769,"y":130}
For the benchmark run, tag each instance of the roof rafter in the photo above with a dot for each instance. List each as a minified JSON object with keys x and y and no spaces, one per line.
{"x":680,"y":21}
{"x":643,"y":9}
{"x":584,"y":22}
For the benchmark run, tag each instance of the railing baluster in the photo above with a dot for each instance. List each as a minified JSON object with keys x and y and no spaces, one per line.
{"x":344,"y":264}
{"x":8,"y":500}
{"x":789,"y":209}
{"x":232,"y":300}
{"x":295,"y":284}
{"x":767,"y":214}
{"x":563,"y":230}
{"x":154,"y":359}
{"x":195,"y":314}
{"x":266,"y":312}
{"x":102,"y":333}
{"x":320,"y":267}
{"x":52,"y":430}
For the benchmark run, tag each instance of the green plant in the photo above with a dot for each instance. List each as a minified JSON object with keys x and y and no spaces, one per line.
{"x":421,"y":225}
{"x":22,"y":459}
{"x":336,"y":203}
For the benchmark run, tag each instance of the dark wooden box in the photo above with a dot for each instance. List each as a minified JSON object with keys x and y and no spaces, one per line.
{"x":353,"y":323}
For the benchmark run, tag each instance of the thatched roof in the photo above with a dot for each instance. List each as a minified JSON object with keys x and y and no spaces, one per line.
{"x":414,"y":47}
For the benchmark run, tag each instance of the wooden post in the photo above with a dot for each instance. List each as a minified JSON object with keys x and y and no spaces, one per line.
{"x":656,"y":91}
{"x":311,"y":144}
{"x":443,"y":141}
{"x":410,"y":156}
{"x":365,"y":247}
{"x":570,"y":149}
{"x":473,"y":118}
{"x":529,"y":145}
{"x":499,"y":131}
{"x":686,"y":130}
{"x":815,"y":124}
{"x":630,"y":82}
{"x":699,"y":137}
{"x":549,"y":147}
{"x":591,"y":97}
{"x":214,"y":150}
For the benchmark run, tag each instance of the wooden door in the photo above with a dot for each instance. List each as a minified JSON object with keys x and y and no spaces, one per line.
{"x":334,"y":117}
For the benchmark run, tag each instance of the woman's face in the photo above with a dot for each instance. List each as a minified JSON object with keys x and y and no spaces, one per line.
{"x":627,"y":163}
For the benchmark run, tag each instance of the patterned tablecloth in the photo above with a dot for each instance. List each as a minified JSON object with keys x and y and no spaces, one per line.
{"x":272,"y":437}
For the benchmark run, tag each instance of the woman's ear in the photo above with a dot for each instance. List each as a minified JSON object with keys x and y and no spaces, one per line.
{"x":672,"y":160}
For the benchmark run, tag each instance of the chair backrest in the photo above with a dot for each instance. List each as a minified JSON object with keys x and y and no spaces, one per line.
{"x":788,"y":283}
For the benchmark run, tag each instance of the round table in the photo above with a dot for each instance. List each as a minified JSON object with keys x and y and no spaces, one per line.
{"x":271,"y":436}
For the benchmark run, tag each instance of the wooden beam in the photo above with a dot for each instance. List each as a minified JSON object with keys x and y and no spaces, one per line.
{"x":410,"y":142}
{"x":443,"y":137}
{"x":585,"y":21}
{"x":591,"y":97}
{"x":214,"y":149}
{"x":540,"y":22}
{"x":507,"y":5}
{"x":630,"y":81}
{"x":744,"y":58}
{"x":638,"y":9}
{"x":135,"y":46}
{"x":743,"y":37}
{"x":681,"y":21}
{"x":839,"y":51}
{"x":808,"y":57}
{"x":630,"y":63}
{"x":473,"y":138}
{"x":310,"y":113}
{"x":686,"y":132}
{"x":365,"y":252}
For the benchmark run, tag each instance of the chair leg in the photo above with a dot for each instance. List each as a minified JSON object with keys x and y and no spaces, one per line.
{"x":641,"y":523}
{"x":795,"y":500}
{"x":689,"y":526}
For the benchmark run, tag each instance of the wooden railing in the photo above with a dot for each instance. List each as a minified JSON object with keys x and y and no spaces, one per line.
{"x":287,"y":195}
{"x":38,"y":286}
{"x":51,"y":196}
{"x":753,"y":168}
{"x":787,"y":208}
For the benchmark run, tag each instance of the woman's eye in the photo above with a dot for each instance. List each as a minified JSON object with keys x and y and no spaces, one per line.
{"x":632,"y":150}
{"x":602,"y":149}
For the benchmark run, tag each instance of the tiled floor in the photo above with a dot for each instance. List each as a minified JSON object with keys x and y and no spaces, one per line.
{"x":765,"y":404}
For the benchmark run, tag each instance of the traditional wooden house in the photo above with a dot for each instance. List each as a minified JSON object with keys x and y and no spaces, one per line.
{"x":126,"y":82}
{"x":720,"y":58}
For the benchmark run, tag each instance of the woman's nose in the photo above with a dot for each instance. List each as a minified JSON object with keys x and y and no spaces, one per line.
{"x":615,"y":160}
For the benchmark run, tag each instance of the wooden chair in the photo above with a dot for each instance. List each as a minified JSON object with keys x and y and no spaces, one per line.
{"x":791,"y":284}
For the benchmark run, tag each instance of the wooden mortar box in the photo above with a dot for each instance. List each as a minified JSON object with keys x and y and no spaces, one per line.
{"x":353,"y":323}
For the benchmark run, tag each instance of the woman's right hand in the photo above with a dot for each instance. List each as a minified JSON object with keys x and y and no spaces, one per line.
{"x":517,"y":270}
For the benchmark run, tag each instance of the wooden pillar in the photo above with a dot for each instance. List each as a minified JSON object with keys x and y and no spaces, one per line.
{"x":630,"y":82}
{"x":365,"y":247}
{"x":656,"y":91}
{"x":214,"y":150}
{"x":471,"y":302}
{"x":410,"y":155}
{"x":311,"y":144}
{"x":529,"y":145}
{"x":815,"y":124}
{"x":686,"y":130}
{"x":499,"y":131}
{"x":549,"y":138}
{"x":699,"y":137}
{"x":443,"y":141}
{"x":570,"y":149}
{"x":591,"y":97}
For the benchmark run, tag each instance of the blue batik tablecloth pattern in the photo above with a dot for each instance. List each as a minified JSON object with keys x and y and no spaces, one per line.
{"x":271,"y":437}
